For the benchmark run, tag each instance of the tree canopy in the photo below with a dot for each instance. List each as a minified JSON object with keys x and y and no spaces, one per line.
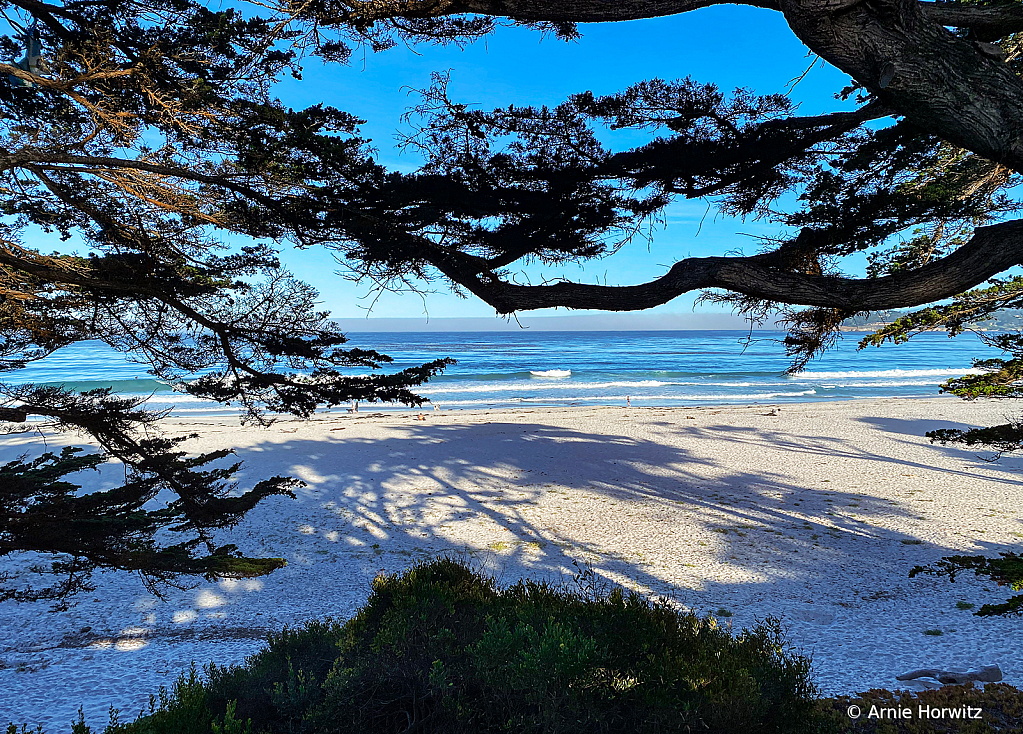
{"x":125,"y":125}
{"x":149,"y":128}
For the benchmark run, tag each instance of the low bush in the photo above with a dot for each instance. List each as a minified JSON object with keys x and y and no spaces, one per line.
{"x":441,"y":648}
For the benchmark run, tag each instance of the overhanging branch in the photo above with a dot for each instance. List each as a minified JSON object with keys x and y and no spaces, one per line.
{"x":898,"y":50}
{"x":579,"y":11}
{"x":946,"y":85}
{"x":988,"y":22}
{"x":582,"y":11}
{"x":992,"y":250}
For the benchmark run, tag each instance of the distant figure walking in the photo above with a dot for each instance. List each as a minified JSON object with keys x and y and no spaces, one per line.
{"x":628,"y":403}
{"x":355,"y":407}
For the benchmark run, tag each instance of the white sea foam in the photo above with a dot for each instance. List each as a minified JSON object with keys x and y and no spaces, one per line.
{"x":885,"y":373}
{"x":679,"y":397}
{"x":178,"y":398}
{"x":637,"y":383}
{"x":719,"y":384}
{"x":471,"y":392}
{"x":523,"y":385}
{"x":439,"y":388}
{"x":889,"y":383}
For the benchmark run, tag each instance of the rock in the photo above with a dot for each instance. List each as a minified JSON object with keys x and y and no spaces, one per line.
{"x":923,"y":673}
{"x":922,"y":684}
{"x":983,"y":674}
{"x":986,"y":674}
{"x":954,"y":677}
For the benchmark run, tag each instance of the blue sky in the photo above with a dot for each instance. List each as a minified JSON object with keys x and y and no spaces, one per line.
{"x":730,"y":46}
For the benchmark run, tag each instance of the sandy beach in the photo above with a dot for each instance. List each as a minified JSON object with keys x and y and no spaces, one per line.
{"x":812,"y":513}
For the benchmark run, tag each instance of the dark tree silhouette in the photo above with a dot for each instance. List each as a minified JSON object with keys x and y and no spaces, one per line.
{"x":130,"y":126}
{"x":147,"y":127}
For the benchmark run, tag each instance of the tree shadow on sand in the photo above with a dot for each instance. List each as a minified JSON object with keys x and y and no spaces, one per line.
{"x":541,"y":500}
{"x":739,"y":521}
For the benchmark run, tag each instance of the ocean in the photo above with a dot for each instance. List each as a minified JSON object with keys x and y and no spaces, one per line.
{"x":586,"y":368}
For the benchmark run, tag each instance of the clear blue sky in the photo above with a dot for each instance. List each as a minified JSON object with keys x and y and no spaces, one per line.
{"x":730,"y":46}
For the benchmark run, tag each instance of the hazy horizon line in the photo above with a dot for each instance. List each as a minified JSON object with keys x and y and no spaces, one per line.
{"x":585,"y":322}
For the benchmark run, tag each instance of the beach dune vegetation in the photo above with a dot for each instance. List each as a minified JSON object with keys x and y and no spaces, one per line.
{"x":442,"y":648}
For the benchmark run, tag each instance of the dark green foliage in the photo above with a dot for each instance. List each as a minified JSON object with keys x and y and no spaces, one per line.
{"x":898,"y":179}
{"x":811,"y":332}
{"x":999,"y":378}
{"x":1000,"y":439}
{"x":967,"y":311}
{"x":1007,"y":570}
{"x":183,"y":710}
{"x":42,"y":512}
{"x":276,"y":686}
{"x":146,"y":131}
{"x":441,"y":648}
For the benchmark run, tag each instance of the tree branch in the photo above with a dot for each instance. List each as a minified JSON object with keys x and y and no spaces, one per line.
{"x":988,"y":22}
{"x":580,"y":11}
{"x":945,"y":85}
{"x":61,"y":159}
{"x":992,"y":250}
{"x":835,"y":122}
{"x":948,"y":86}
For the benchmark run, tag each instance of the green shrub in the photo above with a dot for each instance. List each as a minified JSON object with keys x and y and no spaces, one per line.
{"x":183,"y":710}
{"x":441,"y":648}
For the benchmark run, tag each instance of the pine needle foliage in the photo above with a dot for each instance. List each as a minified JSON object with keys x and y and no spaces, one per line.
{"x":144,"y":136}
{"x":42,"y":512}
{"x":1006,"y":570}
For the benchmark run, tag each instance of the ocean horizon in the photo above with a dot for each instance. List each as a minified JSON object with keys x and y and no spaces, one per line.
{"x":586,"y":368}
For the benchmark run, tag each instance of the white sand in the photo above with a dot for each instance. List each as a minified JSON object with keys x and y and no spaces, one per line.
{"x":814,"y":515}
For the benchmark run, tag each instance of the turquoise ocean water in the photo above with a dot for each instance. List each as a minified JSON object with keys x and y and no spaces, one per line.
{"x":544,"y":368}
